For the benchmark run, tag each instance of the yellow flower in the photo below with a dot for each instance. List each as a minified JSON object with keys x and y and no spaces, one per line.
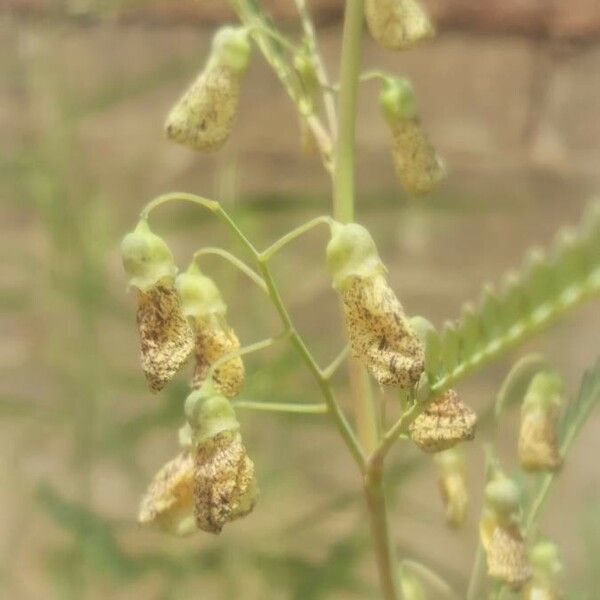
{"x":214,"y":338}
{"x":169,"y":501}
{"x":379,"y":332}
{"x":418,"y":166}
{"x":166,"y":338}
{"x":203,"y":117}
{"x":453,"y":485}
{"x":443,"y":424}
{"x":397,"y":24}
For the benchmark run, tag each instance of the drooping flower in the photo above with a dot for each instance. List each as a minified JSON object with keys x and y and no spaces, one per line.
{"x":501,"y":535}
{"x":538,"y":438}
{"x":225,"y":486}
{"x":166,"y":339}
{"x":379,"y":332}
{"x":443,"y":424}
{"x":418,"y":166}
{"x":203,"y":117}
{"x":398,"y":24}
{"x":214,"y":338}
{"x":453,"y":484}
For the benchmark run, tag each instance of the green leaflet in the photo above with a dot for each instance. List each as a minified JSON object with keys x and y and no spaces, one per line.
{"x":547,"y":285}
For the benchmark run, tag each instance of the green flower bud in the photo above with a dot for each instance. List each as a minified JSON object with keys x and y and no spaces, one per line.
{"x":397,"y":24}
{"x":503,"y":495}
{"x":209,"y":413}
{"x":443,"y":424}
{"x":146,"y":257}
{"x":203,"y":117}
{"x":545,"y":560}
{"x":411,"y":588}
{"x":418,"y":167}
{"x":214,"y":338}
{"x":351,"y":252}
{"x":545,"y":391}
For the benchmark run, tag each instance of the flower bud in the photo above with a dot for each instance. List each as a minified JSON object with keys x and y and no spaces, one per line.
{"x":411,"y":588}
{"x":166,"y":339}
{"x":453,"y":485}
{"x":538,"y":439}
{"x":547,"y":568}
{"x":225,"y":486}
{"x":444,"y":423}
{"x":214,"y":338}
{"x":169,"y":501}
{"x":378,"y":330}
{"x":500,"y":533}
{"x":397,"y":24}
{"x":203,"y":117}
{"x":418,"y":166}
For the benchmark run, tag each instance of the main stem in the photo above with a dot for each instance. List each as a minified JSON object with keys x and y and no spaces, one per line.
{"x":343,"y":211}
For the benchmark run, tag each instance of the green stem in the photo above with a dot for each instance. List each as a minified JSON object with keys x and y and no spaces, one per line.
{"x":343,"y":177}
{"x":236,"y":262}
{"x":476,"y":574}
{"x":289,"y":407}
{"x":384,"y":551}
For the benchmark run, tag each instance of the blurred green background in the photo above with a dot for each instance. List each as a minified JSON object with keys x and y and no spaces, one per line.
{"x":83,"y":94}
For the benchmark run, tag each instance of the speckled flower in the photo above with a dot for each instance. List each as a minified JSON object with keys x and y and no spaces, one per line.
{"x":379,"y":332}
{"x":443,"y":424}
{"x":203,"y":117}
{"x":538,"y":438}
{"x":214,"y":338}
{"x":418,"y":166}
{"x":397,"y":24}
{"x":166,"y":338}
{"x":169,"y":501}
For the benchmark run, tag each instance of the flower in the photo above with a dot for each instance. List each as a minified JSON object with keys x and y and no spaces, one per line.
{"x":397,"y":24}
{"x":453,"y":485}
{"x":203,"y":117}
{"x":444,"y":423}
{"x":379,"y":332}
{"x":166,"y":339}
{"x":214,"y":338}
{"x":418,"y":166}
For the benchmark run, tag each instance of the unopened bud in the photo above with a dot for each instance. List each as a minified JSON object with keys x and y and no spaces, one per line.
{"x":411,"y":588}
{"x":169,"y":501}
{"x":166,"y":339}
{"x":503,"y":496}
{"x":397,"y":24}
{"x":203,"y":117}
{"x":214,"y":338}
{"x":225,"y":486}
{"x":538,"y":439}
{"x":418,"y":166}
{"x":443,"y":424}
{"x":453,"y":485}
{"x":378,"y":330}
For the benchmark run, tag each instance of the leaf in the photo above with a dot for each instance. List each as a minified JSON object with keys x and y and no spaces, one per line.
{"x":548,"y":285}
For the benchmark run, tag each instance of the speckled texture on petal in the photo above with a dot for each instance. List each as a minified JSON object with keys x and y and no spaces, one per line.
{"x":203,"y":117}
{"x":166,"y":337}
{"x":444,"y":423}
{"x":379,"y":332}
{"x":397,"y":24}
{"x":538,"y":441}
{"x":418,"y":167}
{"x":213,"y":341}
{"x":507,"y":557}
{"x":169,"y":500}
{"x":225,"y":485}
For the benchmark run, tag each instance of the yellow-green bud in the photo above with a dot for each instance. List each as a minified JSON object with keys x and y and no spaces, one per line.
{"x":209,"y":413}
{"x":146,"y":257}
{"x":231,"y":48}
{"x":452,"y":482}
{"x":397,"y":24}
{"x":545,"y":560}
{"x":200,"y":297}
{"x":411,"y":588}
{"x":397,"y":99}
{"x":544,"y":391}
{"x":503,"y":495}
{"x":351,"y":252}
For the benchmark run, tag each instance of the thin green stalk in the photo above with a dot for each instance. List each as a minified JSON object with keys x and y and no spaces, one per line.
{"x":329,"y":371}
{"x":336,"y":412}
{"x":236,"y":262}
{"x":476,"y":574}
{"x":257,"y":346}
{"x":288,"y":407}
